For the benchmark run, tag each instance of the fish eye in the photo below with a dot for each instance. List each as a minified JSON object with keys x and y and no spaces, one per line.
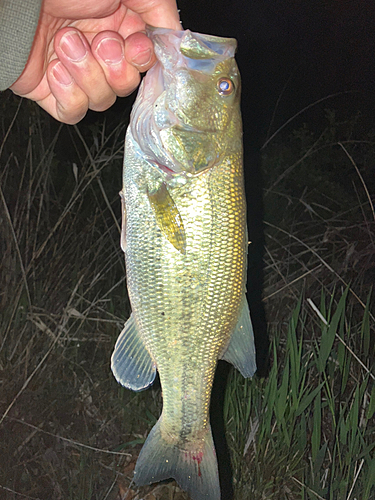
{"x":225,"y":86}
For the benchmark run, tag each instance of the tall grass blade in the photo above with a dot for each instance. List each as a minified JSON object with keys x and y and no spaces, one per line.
{"x":328,"y":337}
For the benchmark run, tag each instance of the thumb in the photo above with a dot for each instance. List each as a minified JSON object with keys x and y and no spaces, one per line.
{"x":158,"y":13}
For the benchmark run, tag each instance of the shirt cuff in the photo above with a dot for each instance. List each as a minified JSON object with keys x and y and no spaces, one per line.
{"x":18,"y":23}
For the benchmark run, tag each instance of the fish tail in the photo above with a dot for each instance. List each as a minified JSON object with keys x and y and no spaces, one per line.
{"x":196,"y":472}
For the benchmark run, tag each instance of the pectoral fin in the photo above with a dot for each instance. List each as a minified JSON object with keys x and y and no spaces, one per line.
{"x":131,"y":363}
{"x":241,"y":349}
{"x":168,"y":217}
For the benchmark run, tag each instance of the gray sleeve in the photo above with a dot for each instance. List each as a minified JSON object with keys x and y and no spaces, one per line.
{"x":18,"y":23}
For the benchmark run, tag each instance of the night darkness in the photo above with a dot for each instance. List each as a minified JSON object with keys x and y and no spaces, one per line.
{"x":290,"y":53}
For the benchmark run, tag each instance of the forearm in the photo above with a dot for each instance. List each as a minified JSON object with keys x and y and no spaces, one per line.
{"x":18,"y":23}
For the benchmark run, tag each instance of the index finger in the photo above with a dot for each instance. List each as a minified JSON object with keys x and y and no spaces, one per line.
{"x":158,"y":13}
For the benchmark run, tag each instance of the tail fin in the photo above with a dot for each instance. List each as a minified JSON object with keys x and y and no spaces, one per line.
{"x":196,"y":473}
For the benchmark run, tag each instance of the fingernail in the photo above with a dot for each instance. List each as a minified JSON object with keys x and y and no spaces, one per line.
{"x":61,"y":74}
{"x":110,"y":50}
{"x":72,"y":46}
{"x":142,"y":58}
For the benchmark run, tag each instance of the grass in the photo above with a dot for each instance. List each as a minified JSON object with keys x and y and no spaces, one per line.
{"x":308,"y":430}
{"x":69,"y":431}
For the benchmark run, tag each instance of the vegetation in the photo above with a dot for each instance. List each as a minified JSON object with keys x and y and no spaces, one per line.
{"x":69,"y":431}
{"x":308,"y":430}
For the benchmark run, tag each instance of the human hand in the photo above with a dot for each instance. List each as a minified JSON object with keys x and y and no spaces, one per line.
{"x":87,"y":52}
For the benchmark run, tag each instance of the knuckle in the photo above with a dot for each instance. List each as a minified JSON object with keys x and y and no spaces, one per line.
{"x":72,"y":111}
{"x":129,"y":85}
{"x":103,"y":103}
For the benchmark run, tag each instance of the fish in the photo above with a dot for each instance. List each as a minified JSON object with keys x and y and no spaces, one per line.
{"x":185,"y":242}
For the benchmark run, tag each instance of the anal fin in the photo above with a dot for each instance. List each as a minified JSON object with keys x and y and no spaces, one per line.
{"x":131,"y":363}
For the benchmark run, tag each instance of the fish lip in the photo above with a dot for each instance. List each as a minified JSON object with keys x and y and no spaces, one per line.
{"x":216,"y":45}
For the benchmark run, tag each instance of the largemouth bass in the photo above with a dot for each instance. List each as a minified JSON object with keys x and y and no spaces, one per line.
{"x":185,"y":242}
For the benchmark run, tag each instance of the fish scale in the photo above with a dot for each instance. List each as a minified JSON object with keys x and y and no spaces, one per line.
{"x":185,"y":250}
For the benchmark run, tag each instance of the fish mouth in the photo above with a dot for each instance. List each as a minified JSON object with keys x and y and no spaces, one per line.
{"x":168,"y":137}
{"x":195,"y":46}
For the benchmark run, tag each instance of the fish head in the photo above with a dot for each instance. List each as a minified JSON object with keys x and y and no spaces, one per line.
{"x":188,"y":108}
